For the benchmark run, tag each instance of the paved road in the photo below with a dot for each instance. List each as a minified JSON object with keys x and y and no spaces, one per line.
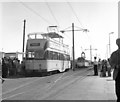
{"x":39,"y":88}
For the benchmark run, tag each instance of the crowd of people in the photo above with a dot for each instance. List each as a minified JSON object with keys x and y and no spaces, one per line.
{"x":103,"y":66}
{"x":11,"y":66}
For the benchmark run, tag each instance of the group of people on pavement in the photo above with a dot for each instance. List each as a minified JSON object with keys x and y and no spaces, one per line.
{"x":112,"y":63}
{"x":10,"y":67}
{"x":103,"y":66}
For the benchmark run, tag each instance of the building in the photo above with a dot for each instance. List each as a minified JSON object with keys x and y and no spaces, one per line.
{"x":12,"y":55}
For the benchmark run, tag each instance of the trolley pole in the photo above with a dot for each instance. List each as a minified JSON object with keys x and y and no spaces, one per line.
{"x":73,"y":48}
{"x":24,"y":36}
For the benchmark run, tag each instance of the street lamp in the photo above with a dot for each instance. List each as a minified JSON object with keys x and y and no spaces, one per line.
{"x":84,"y":30}
{"x":109,"y":43}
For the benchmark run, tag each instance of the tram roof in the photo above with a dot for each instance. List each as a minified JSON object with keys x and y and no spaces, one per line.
{"x":52,"y":35}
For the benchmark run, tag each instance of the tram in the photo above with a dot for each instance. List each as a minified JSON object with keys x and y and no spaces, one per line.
{"x":82,"y":63}
{"x":46,"y":52}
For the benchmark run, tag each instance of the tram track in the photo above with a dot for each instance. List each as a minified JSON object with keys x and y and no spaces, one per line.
{"x":40,"y":89}
{"x":58,"y":89}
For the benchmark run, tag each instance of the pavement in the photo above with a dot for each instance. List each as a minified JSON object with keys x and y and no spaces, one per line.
{"x":91,"y":88}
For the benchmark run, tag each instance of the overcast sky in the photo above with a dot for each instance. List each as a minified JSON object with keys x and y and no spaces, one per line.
{"x":100,"y":18}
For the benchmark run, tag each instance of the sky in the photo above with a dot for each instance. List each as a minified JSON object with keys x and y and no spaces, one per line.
{"x":99,"y":17}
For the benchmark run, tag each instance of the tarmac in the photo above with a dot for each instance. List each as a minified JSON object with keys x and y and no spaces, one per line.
{"x":91,"y":88}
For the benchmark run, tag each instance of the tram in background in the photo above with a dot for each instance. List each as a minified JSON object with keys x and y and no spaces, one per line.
{"x":45,"y":52}
{"x":81,"y":62}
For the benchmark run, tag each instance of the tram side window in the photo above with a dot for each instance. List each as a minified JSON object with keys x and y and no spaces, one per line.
{"x":68,"y":57}
{"x":62,"y":57}
{"x":51,"y":55}
{"x":55,"y":56}
{"x":48,"y":55}
{"x":65,"y":57}
{"x":58,"y":56}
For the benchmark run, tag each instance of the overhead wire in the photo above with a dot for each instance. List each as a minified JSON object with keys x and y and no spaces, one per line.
{"x":29,"y":8}
{"x":56,"y":19}
{"x":52,"y":13}
{"x":87,"y":36}
{"x":78,"y":20}
{"x":32,"y":10}
{"x":74,"y":13}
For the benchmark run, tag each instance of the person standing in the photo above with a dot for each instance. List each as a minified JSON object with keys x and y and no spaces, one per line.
{"x":95,"y":66}
{"x":115,"y":64}
{"x":5,"y":67}
{"x":108,"y":68}
{"x":99,"y":64}
{"x":103,"y":68}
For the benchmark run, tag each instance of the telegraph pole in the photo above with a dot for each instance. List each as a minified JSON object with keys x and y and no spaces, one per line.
{"x":90,"y":52}
{"x":24,"y":36}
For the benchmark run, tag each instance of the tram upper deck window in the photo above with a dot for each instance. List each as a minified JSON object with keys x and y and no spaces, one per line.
{"x":35,"y":36}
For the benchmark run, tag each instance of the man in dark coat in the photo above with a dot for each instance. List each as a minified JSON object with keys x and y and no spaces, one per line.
{"x":4,"y":67}
{"x":95,"y":66}
{"x":115,"y":64}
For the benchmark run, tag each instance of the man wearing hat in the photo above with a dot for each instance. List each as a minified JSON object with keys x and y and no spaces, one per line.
{"x":115,"y":64}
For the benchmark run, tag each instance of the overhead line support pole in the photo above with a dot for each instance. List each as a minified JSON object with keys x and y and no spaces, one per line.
{"x":73,"y":47}
{"x":24,"y":36}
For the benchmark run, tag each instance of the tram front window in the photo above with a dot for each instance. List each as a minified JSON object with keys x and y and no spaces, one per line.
{"x":31,"y":55}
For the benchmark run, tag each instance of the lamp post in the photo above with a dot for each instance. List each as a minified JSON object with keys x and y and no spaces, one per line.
{"x":84,"y":30}
{"x":109,"y":43}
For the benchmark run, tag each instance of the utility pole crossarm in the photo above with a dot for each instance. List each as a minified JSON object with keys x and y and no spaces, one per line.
{"x":84,"y":30}
{"x":90,"y":52}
